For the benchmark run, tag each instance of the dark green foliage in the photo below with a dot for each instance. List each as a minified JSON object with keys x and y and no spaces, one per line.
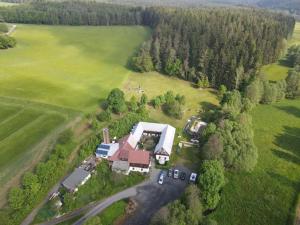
{"x":116,"y":101}
{"x":144,"y":99}
{"x":104,"y":116}
{"x":143,"y":61}
{"x":187,"y":211}
{"x":239,"y":151}
{"x":16,"y":198}
{"x":172,"y":105}
{"x":211,"y":182}
{"x":72,"y":13}
{"x":254,"y":91}
{"x":121,"y":127}
{"x":293,"y":84}
{"x":65,"y":136}
{"x":213,"y":148}
{"x":293,"y":56}
{"x":203,"y":81}
{"x":222,"y":91}
{"x":3,"y":28}
{"x":7,"y":42}
{"x":270,"y":93}
{"x":192,"y":43}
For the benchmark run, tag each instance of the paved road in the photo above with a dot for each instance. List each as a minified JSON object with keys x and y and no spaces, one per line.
{"x":152,"y":197}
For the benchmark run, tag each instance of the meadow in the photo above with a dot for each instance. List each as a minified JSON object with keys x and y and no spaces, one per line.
{"x":53,"y":75}
{"x":279,"y":71}
{"x":154,"y":84}
{"x":268,"y":195}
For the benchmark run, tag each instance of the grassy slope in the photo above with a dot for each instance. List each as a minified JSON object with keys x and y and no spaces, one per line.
{"x":156,"y":84}
{"x":68,"y":66}
{"x":269,"y":194}
{"x":277,"y":71}
{"x":53,"y":72}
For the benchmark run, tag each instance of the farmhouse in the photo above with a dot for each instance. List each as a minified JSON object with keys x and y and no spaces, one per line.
{"x":129,"y":155}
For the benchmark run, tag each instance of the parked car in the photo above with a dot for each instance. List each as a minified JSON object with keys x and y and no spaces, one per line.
{"x":193,"y":177}
{"x":176,"y":174}
{"x":170,"y":173}
{"x":161,"y":178}
{"x":182,"y":175}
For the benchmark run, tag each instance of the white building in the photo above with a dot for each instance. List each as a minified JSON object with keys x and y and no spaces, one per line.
{"x":163,"y":149}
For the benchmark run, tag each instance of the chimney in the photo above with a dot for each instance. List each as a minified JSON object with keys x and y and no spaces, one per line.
{"x":106,"y":136}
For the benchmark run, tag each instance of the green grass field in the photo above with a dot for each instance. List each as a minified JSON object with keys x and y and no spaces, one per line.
{"x":53,"y":73}
{"x":154,"y":84}
{"x":277,"y":71}
{"x":269,"y":194}
{"x":7,"y":4}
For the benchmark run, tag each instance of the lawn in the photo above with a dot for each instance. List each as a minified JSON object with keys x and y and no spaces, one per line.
{"x":54,"y":73}
{"x":154,"y":84}
{"x":269,"y":194}
{"x":279,"y":71}
{"x":7,"y":4}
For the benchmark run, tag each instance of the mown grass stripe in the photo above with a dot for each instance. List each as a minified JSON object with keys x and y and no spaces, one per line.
{"x":6,"y":112}
{"x":19,"y":142}
{"x":17,"y":121}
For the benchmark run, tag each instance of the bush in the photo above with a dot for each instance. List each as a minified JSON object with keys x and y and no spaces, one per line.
{"x":116,"y":101}
{"x":211,"y":182}
{"x":7,"y":42}
{"x":65,"y":137}
{"x":3,"y":28}
{"x":293,"y":84}
{"x":104,"y":116}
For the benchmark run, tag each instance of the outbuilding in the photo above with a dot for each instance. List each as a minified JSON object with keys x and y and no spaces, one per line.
{"x":76,"y":179}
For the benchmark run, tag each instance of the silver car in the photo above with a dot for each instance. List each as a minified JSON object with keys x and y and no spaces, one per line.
{"x":176,"y":174}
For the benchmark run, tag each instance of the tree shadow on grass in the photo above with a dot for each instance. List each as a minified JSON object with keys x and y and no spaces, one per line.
{"x":289,"y":140}
{"x":287,"y":156}
{"x":295,"y":111}
{"x":292,"y":184}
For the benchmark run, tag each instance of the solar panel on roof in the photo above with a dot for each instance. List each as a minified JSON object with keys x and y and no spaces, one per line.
{"x":104,"y":147}
{"x":101,"y":152}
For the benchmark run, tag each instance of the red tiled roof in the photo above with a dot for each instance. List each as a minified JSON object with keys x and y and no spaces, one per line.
{"x":127,"y":153}
{"x":139,"y":157}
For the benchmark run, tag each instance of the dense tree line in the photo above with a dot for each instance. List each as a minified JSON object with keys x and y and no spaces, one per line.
{"x":221,"y":44}
{"x":71,"y":13}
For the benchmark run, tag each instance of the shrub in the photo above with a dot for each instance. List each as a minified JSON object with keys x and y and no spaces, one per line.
{"x":104,"y":116}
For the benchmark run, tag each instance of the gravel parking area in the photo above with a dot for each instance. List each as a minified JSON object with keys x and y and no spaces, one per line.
{"x":153,"y":196}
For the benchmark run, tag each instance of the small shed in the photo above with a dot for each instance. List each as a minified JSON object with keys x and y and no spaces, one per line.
{"x":77,"y":178}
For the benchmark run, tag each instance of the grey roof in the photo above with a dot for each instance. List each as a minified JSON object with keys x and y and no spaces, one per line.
{"x":75,"y":179}
{"x":120,"y":165}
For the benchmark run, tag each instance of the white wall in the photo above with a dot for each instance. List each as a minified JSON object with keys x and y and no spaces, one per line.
{"x":138,"y":169}
{"x":165,"y":157}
